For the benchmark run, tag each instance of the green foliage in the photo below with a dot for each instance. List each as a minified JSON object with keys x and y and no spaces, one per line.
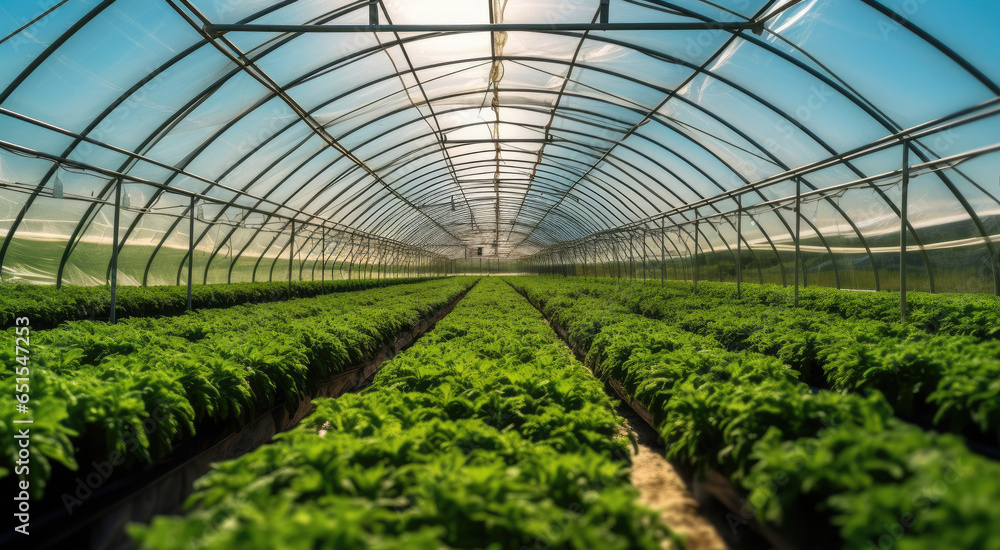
{"x":722,"y":382}
{"x":485,"y":434}
{"x":139,"y":387}
{"x":48,"y":307}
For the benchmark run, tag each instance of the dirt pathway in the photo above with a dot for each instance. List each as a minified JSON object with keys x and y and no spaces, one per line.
{"x":663,"y":489}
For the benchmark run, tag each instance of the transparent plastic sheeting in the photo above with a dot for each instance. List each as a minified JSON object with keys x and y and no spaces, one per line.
{"x":383,"y":148}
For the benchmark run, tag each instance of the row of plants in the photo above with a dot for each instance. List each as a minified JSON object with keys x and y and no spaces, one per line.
{"x":48,"y":306}
{"x":945,"y":381}
{"x":948,"y":313}
{"x":975,"y":315}
{"x":831,"y":469}
{"x":130,"y":392}
{"x":487,"y":433}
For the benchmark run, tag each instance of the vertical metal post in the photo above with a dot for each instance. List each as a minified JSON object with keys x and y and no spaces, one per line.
{"x":349,"y":257}
{"x":322,"y":259}
{"x":631,"y":256}
{"x":373,"y":13}
{"x":614,"y":258}
{"x":619,"y":261}
{"x":190,"y":303}
{"x":739,"y":246}
{"x":114,"y":253}
{"x":644,"y":252}
{"x":696,"y":234}
{"x":291,"y":258}
{"x":366,"y":266}
{"x":663,"y":250}
{"x":902,"y":232}
{"x":798,"y":235}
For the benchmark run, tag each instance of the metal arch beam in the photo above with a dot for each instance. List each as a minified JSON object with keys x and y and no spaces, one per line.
{"x":432,"y":191}
{"x":232,"y":201}
{"x":112,"y":106}
{"x":673,"y":174}
{"x":518,"y":161}
{"x":940,"y":46}
{"x":702,"y":146}
{"x":508,"y":90}
{"x":584,"y":207}
{"x":306,"y":183}
{"x":423,"y":92}
{"x":249,"y":67}
{"x":849,"y":221}
{"x":682,"y":158}
{"x":134,"y":179}
{"x":512,"y":161}
{"x":692,"y":190}
{"x":776,"y":161}
{"x":555,"y":107}
{"x":780,"y":113}
{"x":246,"y":157}
{"x":893,"y":127}
{"x":654,"y":161}
{"x":232,"y":204}
{"x":924,"y":128}
{"x":673,"y":93}
{"x":15,"y":83}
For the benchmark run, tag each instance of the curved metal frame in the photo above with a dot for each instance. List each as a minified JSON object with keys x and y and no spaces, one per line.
{"x":599,"y":208}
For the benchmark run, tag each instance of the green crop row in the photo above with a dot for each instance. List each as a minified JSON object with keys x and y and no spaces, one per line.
{"x":47,"y":306}
{"x":947,"y":381}
{"x":127,"y":393}
{"x":961,"y":314}
{"x":823,"y":465}
{"x":975,"y":315}
{"x":485,"y":434}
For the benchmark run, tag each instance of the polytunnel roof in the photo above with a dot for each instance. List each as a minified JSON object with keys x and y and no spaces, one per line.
{"x":517,"y":125}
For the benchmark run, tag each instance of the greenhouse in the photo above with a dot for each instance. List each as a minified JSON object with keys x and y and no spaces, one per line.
{"x":500,"y":274}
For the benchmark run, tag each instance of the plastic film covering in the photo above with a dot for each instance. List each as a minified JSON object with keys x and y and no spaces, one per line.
{"x":251,"y":140}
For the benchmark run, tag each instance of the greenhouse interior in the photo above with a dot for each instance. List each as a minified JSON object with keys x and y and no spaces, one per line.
{"x":500,"y":274}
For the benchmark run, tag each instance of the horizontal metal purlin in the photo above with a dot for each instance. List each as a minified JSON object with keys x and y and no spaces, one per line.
{"x":486,"y":27}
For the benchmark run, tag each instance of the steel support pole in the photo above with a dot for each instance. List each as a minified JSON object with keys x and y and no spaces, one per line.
{"x":613,"y":257}
{"x":903,"y":207}
{"x":739,"y":246}
{"x":663,"y":251}
{"x":696,"y":234}
{"x":644,"y":253}
{"x":114,"y":254}
{"x":631,"y":256}
{"x":291,"y":258}
{"x":798,"y":236}
{"x":190,"y":302}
